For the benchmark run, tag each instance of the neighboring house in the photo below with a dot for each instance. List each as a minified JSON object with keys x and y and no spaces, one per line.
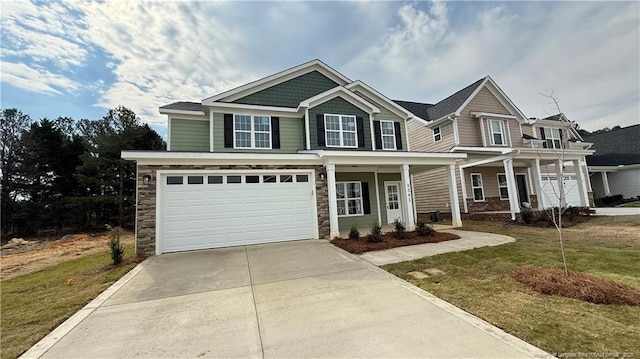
{"x":615,"y":167}
{"x":512,"y":161}
{"x":304,"y":153}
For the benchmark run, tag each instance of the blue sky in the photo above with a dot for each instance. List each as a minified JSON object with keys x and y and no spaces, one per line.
{"x":77,"y":59}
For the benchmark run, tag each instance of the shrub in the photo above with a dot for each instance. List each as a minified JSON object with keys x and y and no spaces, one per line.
{"x":423,"y":229}
{"x":435,"y":216}
{"x":527,"y":215}
{"x":376,"y":233}
{"x":399,"y":230}
{"x":117,"y":249}
{"x":611,"y":199}
{"x":353,"y":232}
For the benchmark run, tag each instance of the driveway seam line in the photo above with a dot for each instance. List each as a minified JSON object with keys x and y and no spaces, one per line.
{"x":255,"y":305}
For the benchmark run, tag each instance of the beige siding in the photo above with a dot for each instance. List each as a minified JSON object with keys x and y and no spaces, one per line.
{"x":469,"y":127}
{"x":431,"y":191}
{"x":528,"y":130}
{"x":421,"y":137}
{"x":490,"y":179}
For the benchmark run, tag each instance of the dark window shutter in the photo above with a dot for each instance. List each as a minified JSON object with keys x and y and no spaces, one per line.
{"x":544,"y":144}
{"x":275,"y":132}
{"x":320,"y":127}
{"x":366,"y":204}
{"x":396,"y":126}
{"x":360,"y":129}
{"x":228,"y":130}
{"x":377,"y":134}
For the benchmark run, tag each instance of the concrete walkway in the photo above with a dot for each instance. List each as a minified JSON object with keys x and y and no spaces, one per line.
{"x":468,"y":240}
{"x":285,"y":300}
{"x":617,"y":211}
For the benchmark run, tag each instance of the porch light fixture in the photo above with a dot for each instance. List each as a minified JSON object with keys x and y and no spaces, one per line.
{"x":323,"y":175}
{"x":146,"y":179}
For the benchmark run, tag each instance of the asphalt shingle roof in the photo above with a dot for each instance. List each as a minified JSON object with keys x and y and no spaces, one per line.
{"x":453,"y":102}
{"x":183,"y":105}
{"x":616,"y":147}
{"x":416,"y":108}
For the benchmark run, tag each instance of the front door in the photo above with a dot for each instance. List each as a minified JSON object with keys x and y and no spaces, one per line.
{"x":523,"y":194}
{"x":392,"y":201}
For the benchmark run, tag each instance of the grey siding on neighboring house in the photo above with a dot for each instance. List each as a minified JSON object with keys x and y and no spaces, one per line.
{"x":421,"y":137}
{"x":382,"y":177}
{"x":469,"y":127}
{"x":189,"y":135}
{"x":431,"y":191}
{"x":386,"y":115}
{"x":365,"y":221}
{"x":291,"y":136}
{"x":338,"y":106}
{"x":291,"y":92}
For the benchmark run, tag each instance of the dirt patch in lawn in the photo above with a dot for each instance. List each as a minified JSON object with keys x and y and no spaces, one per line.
{"x":361,"y":245}
{"x":33,"y":255}
{"x":576,"y":285}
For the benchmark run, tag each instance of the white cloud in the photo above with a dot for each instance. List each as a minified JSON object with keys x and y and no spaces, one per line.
{"x":36,"y":79}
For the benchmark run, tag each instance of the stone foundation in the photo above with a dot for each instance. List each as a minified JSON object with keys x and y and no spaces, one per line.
{"x":489,"y":204}
{"x":146,"y":205}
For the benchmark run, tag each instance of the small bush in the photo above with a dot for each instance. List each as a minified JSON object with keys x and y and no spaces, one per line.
{"x":376,"y":233}
{"x":399,"y":230}
{"x":527,"y":215}
{"x":353,"y":232}
{"x":117,"y":248}
{"x":423,"y":229}
{"x":611,"y":199}
{"x":435,"y":216}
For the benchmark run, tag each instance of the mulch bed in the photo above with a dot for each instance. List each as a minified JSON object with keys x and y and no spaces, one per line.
{"x":360,"y":245}
{"x":577,"y":285}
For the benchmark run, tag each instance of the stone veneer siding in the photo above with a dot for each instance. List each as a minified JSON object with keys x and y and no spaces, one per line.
{"x":146,"y":206}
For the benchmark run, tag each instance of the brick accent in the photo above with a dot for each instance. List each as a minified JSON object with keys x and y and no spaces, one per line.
{"x":489,"y":204}
{"x":592,"y":202}
{"x":146,"y":206}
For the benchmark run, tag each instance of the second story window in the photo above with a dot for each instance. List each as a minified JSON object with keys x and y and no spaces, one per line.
{"x":437,"y":135}
{"x":496,"y":133}
{"x":387,"y":130}
{"x":340,"y":131}
{"x":552,"y":137}
{"x":252,"y":131}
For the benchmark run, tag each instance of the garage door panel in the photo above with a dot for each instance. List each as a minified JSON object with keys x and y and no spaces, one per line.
{"x":551,"y":190}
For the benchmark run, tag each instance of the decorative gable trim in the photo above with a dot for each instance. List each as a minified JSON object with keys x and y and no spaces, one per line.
{"x":258,"y":85}
{"x":500,"y":96}
{"x":358,"y":85}
{"x":345,"y":94}
{"x":167,"y":111}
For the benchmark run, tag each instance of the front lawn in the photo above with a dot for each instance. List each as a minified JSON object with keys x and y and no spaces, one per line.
{"x":34,"y":304}
{"x":479,"y":282}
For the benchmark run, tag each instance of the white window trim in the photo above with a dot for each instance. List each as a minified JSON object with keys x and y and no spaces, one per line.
{"x":340,"y":131}
{"x":438,"y":135}
{"x":346,"y":200}
{"x":473,"y":193}
{"x":500,"y":187}
{"x":554,"y":131}
{"x":382,"y":135}
{"x":252,"y":132}
{"x":502,"y":132}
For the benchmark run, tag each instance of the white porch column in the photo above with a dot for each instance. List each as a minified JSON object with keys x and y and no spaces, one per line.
{"x":334,"y":230}
{"x":511,"y":187}
{"x":456,"y":221}
{"x":605,"y":183}
{"x":560,"y":175}
{"x":537,"y":182}
{"x":463,"y":186}
{"x":582,"y":187}
{"x":409,"y":220}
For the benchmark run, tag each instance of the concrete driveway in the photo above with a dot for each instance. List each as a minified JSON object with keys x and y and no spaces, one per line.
{"x":617,"y":211}
{"x":286,"y":300}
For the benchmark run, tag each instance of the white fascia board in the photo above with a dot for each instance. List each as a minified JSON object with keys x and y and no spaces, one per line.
{"x":492,"y":115}
{"x":388,"y":158}
{"x":168,"y":111}
{"x":487,"y":160}
{"x":343,"y":93}
{"x":255,"y":109}
{"x":491,"y":150}
{"x":552,"y":123}
{"x":188,"y":117}
{"x":419,"y":119}
{"x":185,"y":158}
{"x":500,"y":95}
{"x":553,"y":154}
{"x":438,"y":122}
{"x":475,"y":92}
{"x":371,"y":92}
{"x":613,"y":168}
{"x":266,"y":82}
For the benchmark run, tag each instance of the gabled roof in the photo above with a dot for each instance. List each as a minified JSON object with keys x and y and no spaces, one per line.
{"x":615,"y":147}
{"x":183,"y":107}
{"x":345,"y":94}
{"x":555,"y":117}
{"x":452,"y":103}
{"x":372,"y":93}
{"x":416,"y":108}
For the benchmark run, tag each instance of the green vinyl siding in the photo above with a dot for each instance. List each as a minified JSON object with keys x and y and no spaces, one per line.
{"x":365,"y":221}
{"x":189,"y":135}
{"x":291,"y":92}
{"x":338,"y":106}
{"x":291,"y":136}
{"x":382,"y":177}
{"x":386,"y":115}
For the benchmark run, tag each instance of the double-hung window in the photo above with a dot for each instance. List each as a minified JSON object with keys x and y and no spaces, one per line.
{"x":496,"y":132}
{"x":502,"y":186}
{"x":387,"y":130}
{"x":552,"y":137}
{"x":437,"y":135}
{"x":252,"y":131}
{"x":349,"y":195}
{"x":476,"y":186}
{"x":340,"y":131}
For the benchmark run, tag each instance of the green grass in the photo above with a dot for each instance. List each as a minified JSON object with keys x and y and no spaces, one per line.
{"x":35,"y":303}
{"x":631,"y":204}
{"x":479,"y":282}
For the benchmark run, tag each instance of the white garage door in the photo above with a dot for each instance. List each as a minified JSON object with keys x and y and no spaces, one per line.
{"x":551,"y":194}
{"x":221,"y":209}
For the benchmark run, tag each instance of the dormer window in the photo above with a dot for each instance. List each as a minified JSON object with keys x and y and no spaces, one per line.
{"x":496,"y":133}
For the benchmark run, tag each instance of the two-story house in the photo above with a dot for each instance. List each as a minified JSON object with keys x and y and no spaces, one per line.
{"x":304,"y":153}
{"x":512,"y":161}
